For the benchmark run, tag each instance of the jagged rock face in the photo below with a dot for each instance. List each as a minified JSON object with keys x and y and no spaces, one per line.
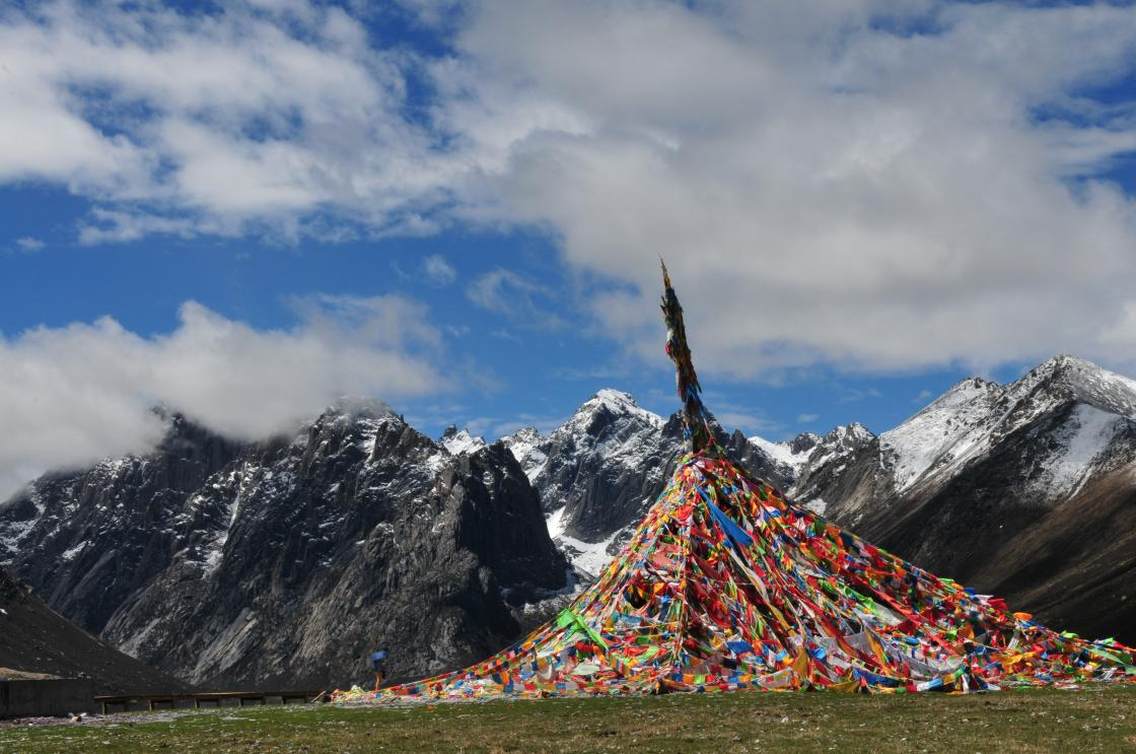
{"x":460,"y":441}
{"x":833,"y":471}
{"x":1021,"y":489}
{"x":301,"y":555}
{"x":88,"y":540}
{"x":599,"y":466}
{"x":599,"y":472}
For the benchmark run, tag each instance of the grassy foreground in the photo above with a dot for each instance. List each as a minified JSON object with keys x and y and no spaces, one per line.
{"x":1091,"y":720}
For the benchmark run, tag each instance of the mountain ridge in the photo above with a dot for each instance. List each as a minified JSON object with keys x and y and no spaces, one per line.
{"x":285,"y":561}
{"x":1025,"y":488}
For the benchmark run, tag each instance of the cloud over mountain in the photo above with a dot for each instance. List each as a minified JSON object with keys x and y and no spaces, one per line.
{"x":74,"y":394}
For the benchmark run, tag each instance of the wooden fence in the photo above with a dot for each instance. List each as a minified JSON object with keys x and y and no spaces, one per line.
{"x":124,"y":703}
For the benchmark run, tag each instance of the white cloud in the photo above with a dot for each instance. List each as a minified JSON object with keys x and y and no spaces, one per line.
{"x":524,"y":301}
{"x":823,"y":188}
{"x":234,"y":120}
{"x":807,"y":418}
{"x":74,"y":394}
{"x":868,"y":184}
{"x":438,"y":271}
{"x":734,"y":416}
{"x":855,"y":394}
{"x":29,"y":244}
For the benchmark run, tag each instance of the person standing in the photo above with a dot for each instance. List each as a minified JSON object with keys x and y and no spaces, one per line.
{"x":378,"y":664}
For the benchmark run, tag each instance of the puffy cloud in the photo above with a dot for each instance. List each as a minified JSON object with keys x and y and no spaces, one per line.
{"x":879,"y":186}
{"x":251,"y":116}
{"x":74,"y":394}
{"x":876,"y":185}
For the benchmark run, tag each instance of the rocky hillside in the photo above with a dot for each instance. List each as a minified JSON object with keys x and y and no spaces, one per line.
{"x":36,"y":640}
{"x":288,"y":561}
{"x":1026,"y":489}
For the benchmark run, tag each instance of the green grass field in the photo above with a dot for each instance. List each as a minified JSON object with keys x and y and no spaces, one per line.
{"x":1091,"y":720}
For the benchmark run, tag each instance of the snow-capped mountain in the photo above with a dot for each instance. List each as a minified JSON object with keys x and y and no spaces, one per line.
{"x":1024,"y":489}
{"x":458,"y":441}
{"x":821,"y":463}
{"x":972,"y":417}
{"x":599,"y":471}
{"x":790,"y":457}
{"x":285,"y":561}
{"x":595,"y":472}
{"x":1083,"y":409}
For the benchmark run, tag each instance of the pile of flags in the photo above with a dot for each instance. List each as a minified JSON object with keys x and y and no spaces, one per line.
{"x":727,"y":586}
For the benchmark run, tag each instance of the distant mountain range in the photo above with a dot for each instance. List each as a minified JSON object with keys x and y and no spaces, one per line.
{"x":286,"y":561}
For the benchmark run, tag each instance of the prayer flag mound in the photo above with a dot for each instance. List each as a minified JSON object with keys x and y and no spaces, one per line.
{"x":726,"y":586}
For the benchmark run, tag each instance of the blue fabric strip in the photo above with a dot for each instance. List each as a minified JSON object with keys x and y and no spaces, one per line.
{"x":735,"y":532}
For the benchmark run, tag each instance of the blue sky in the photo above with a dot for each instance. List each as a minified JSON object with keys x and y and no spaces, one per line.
{"x":509,"y":373}
{"x":458,"y":207}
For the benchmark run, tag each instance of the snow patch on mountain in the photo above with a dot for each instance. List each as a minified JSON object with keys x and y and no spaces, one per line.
{"x":817,"y":506}
{"x":619,"y":402}
{"x":14,"y":530}
{"x":1082,"y":380}
{"x":71,"y":552}
{"x":458,"y":441}
{"x":435,"y":462}
{"x":839,"y":443}
{"x":525,"y":445}
{"x":950,"y":430}
{"x":610,"y":426}
{"x":589,"y":557}
{"x":783,"y":453}
{"x":624,"y":445}
{"x":971,"y":417}
{"x":1091,"y":430}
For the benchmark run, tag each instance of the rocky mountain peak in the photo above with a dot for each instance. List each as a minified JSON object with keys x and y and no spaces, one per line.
{"x":1067,"y":377}
{"x":965,"y":391}
{"x":848,"y":435}
{"x":803,"y":442}
{"x":290,"y":555}
{"x":527,"y":434}
{"x":351,"y":411}
{"x":458,"y":441}
{"x":786,"y":456}
{"x":608,"y":404}
{"x":826,"y":456}
{"x":525,"y":445}
{"x":975,"y":415}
